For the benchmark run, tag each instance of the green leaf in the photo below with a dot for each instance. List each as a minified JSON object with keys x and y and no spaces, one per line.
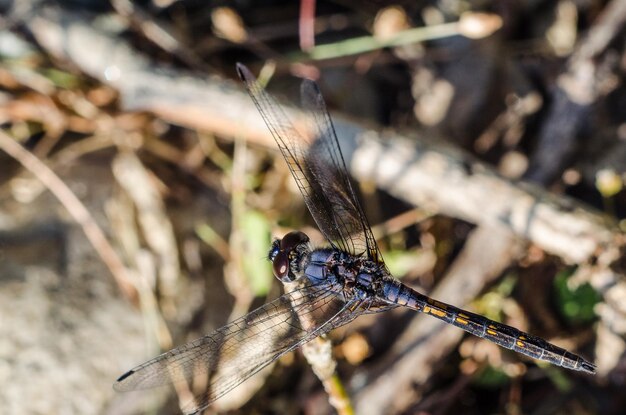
{"x":559,"y":378}
{"x":61,"y":79}
{"x":256,"y":228}
{"x":491,"y":377}
{"x":576,"y":304}
{"x":401,"y":262}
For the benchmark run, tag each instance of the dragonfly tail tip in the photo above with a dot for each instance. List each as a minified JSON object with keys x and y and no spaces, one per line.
{"x":588,"y":368}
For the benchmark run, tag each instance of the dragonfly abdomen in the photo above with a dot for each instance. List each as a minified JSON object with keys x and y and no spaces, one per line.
{"x":501,"y":334}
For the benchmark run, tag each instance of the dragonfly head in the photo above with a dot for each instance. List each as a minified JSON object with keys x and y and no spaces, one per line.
{"x":286,"y":255}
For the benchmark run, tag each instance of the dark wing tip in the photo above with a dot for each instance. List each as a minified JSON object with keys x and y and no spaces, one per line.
{"x":118,"y":385}
{"x":310,"y":94}
{"x":243,"y":72}
{"x":309,"y":85}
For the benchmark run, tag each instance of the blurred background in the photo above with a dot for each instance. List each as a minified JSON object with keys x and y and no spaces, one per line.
{"x":140,"y":192}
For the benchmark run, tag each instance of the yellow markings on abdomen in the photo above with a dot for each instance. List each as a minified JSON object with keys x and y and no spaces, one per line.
{"x":437,"y":304}
{"x":439,"y":313}
{"x":434,"y":311}
{"x":461,"y":321}
{"x":492,"y":330}
{"x":521,"y":343}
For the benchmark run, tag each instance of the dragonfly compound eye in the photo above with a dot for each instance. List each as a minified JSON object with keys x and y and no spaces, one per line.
{"x":293,"y":239}
{"x":280,"y":266}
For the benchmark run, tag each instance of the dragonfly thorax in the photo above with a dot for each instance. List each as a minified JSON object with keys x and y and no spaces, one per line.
{"x":358,"y":276}
{"x":288,"y":256}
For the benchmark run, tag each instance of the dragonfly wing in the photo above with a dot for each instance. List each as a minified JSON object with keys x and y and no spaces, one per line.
{"x":328,"y":166}
{"x":227,"y":357}
{"x":318,"y":168}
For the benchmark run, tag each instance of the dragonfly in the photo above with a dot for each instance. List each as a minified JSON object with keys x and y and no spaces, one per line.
{"x":328,"y":287}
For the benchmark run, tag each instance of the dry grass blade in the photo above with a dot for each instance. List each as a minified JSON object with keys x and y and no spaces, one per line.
{"x":76,"y":208}
{"x":155,"y":225}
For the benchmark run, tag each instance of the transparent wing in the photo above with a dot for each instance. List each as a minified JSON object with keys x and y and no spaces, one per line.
{"x":327,"y":164}
{"x":318,"y":168}
{"x":227,"y":357}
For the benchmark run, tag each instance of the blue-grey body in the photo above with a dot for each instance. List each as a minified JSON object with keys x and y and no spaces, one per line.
{"x":329,"y":287}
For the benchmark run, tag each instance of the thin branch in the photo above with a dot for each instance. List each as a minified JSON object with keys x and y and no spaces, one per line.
{"x":76,"y":209}
{"x":389,"y":385}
